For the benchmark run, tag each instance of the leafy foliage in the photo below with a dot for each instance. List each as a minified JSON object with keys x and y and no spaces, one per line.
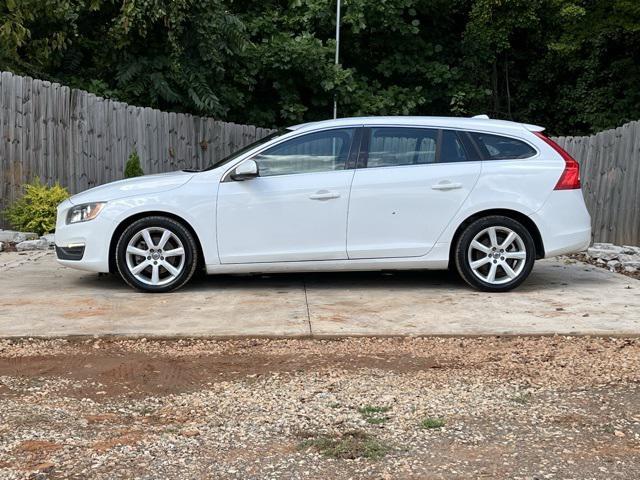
{"x":35,"y":211}
{"x":572,"y":65}
{"x":133,"y":167}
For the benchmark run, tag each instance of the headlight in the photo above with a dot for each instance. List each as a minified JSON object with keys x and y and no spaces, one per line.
{"x":84,"y":213}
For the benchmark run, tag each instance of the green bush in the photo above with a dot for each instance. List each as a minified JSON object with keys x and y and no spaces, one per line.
{"x":35,"y":211}
{"x":133,"y":168}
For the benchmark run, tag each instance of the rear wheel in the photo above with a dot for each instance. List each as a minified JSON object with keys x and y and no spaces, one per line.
{"x":156,"y":254}
{"x":495,"y":254}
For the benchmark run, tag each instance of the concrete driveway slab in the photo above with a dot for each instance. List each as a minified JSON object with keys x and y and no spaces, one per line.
{"x":40,"y":298}
{"x":558,"y":298}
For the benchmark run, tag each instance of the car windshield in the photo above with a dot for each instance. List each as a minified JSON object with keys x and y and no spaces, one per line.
{"x":244,"y":149}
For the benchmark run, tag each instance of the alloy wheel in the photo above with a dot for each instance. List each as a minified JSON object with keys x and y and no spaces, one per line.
{"x":497,"y":255}
{"x":155,"y":256}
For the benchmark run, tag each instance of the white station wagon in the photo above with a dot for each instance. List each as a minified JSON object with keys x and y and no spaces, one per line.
{"x":485,"y":197}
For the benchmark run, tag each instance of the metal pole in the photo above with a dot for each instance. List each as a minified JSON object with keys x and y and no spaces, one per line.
{"x":335,"y":100}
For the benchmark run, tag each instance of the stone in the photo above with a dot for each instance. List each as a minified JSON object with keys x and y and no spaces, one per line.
{"x":631,"y":250}
{"x":613,"y":264}
{"x":634,"y":264}
{"x":49,"y":237}
{"x":623,"y":257}
{"x":605,"y":254}
{"x":1,"y":247}
{"x":605,"y":246}
{"x":32,"y":245}
{"x":16,"y":237}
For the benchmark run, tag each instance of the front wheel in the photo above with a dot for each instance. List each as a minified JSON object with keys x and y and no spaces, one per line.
{"x":495,"y":254}
{"x":156,"y":254}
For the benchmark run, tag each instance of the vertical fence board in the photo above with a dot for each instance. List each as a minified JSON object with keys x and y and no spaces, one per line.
{"x":633,"y":216}
{"x":27,"y":128}
{"x":16,"y":135}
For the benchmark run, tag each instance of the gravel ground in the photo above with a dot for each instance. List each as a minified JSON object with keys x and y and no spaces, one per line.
{"x":583,"y":257}
{"x":436,"y":408}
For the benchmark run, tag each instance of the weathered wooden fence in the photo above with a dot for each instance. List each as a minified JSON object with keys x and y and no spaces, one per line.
{"x":71,"y":136}
{"x":610,"y":173}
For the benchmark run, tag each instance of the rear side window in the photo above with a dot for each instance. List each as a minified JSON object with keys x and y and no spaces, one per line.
{"x":392,"y":147}
{"x":452,"y":148}
{"x":497,"y":147}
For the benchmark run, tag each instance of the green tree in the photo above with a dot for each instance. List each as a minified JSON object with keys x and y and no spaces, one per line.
{"x":571,"y":65}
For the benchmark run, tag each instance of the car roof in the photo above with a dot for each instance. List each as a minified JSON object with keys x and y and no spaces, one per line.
{"x":477,"y":123}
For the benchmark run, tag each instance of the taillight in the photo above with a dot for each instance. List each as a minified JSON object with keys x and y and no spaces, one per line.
{"x":570,"y":178}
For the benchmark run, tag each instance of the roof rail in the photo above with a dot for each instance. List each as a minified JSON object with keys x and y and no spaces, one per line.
{"x":483,"y":117}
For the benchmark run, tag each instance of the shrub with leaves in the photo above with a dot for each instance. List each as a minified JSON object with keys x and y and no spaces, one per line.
{"x":35,"y":211}
{"x":133,"y":168}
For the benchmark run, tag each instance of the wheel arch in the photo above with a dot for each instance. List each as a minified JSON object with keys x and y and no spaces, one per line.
{"x":525,"y":220}
{"x":137,"y":216}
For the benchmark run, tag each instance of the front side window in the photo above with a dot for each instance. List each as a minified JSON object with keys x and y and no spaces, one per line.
{"x":315,"y":152}
{"x":396,"y":146}
{"x":497,"y":147}
{"x":245,"y":149}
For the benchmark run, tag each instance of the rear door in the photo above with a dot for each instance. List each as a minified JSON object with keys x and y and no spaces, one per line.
{"x":409,"y":184}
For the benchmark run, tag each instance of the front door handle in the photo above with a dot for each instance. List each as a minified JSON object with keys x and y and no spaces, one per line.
{"x":324,"y":195}
{"x":446,"y":185}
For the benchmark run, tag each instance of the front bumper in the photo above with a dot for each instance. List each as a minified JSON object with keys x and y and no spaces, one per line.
{"x":83,"y":245}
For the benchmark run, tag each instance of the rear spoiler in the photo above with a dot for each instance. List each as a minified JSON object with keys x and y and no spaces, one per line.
{"x":532,"y":128}
{"x":528,"y":126}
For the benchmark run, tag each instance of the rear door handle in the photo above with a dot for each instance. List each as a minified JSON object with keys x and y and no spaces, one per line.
{"x":324,"y":195}
{"x":446,"y":185}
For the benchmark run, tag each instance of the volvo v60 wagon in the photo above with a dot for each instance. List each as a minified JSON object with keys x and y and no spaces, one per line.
{"x":485,"y":197}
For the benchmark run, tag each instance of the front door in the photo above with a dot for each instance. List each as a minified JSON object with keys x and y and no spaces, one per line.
{"x":408,"y":187}
{"x":296,"y":209}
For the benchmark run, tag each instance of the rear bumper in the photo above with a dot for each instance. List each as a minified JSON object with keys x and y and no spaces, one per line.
{"x":564,"y":223}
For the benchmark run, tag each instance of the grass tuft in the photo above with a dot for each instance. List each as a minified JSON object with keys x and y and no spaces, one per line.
{"x":373,"y":414}
{"x":431,"y":422}
{"x":348,"y":446}
{"x":522,"y":398}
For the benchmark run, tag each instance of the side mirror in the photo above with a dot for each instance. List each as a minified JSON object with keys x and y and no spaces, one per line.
{"x":246,"y":170}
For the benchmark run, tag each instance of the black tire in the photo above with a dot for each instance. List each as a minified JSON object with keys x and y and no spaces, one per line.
{"x":188,"y":244}
{"x":462,"y":254}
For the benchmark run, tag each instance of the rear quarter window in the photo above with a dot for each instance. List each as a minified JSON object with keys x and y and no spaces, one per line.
{"x":497,"y":147}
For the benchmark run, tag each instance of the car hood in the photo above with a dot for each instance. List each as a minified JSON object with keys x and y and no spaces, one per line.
{"x":133,"y":186}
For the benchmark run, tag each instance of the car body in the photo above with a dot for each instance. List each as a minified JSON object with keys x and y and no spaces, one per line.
{"x":373,"y":193}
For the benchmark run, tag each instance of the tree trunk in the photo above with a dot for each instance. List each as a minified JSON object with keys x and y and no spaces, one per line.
{"x":494,"y":87}
{"x":506,"y":85}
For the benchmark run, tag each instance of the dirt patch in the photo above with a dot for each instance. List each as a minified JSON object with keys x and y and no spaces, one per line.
{"x":37,"y":446}
{"x":104,"y":368}
{"x":35,"y":455}
{"x":10,"y":247}
{"x":110,"y":372}
{"x":121,"y":438}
